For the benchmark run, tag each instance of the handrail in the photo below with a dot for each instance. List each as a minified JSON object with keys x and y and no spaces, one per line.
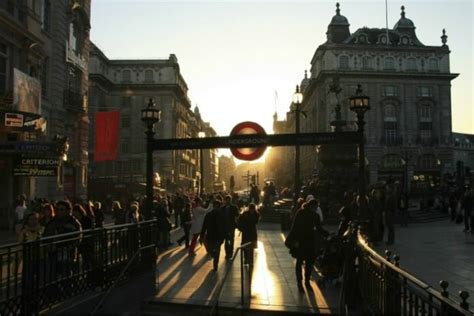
{"x":406,"y":275}
{"x":112,"y":286}
{"x":221,"y":285}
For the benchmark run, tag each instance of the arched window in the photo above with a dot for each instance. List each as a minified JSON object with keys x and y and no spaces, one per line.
{"x":433,"y":64}
{"x":411,"y":64}
{"x":389,"y":63}
{"x":390,"y":112}
{"x":148,"y":75}
{"x":344,"y":62}
{"x":126,"y":75}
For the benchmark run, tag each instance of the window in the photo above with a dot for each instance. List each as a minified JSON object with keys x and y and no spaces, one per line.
{"x":425,"y":113}
{"x":390,"y":124}
{"x":366,"y":62}
{"x":126,"y":75}
{"x":149,"y":75}
{"x":433,"y":64}
{"x":389,"y":63}
{"x":45,"y":15}
{"x":411,"y":64}
{"x":3,"y":67}
{"x":74,"y":38}
{"x":344,"y":62}
{"x":425,"y":131}
{"x":390,"y":132}
{"x":125,"y":120}
{"x":424,"y":92}
{"x":127,"y":101}
{"x":390,"y":112}
{"x":362,"y":39}
{"x":427,"y":162}
{"x":390,"y":91}
{"x":392,"y":162}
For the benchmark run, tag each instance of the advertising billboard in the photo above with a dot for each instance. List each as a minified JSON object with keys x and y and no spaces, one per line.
{"x":26,"y":93}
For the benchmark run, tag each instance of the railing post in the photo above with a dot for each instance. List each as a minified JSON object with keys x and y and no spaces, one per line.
{"x":241,"y":278}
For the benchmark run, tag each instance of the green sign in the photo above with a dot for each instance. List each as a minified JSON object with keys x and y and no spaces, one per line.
{"x":35,"y":167}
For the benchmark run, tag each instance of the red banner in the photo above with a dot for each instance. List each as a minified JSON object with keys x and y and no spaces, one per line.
{"x":106,"y":135}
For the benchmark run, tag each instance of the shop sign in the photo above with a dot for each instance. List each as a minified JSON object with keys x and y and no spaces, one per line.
{"x":35,"y":166}
{"x":13,"y":120}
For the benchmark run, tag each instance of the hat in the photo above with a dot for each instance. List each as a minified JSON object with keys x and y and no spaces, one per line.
{"x":310,"y":197}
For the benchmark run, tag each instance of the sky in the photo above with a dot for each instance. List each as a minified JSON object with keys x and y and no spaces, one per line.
{"x":242,"y":59}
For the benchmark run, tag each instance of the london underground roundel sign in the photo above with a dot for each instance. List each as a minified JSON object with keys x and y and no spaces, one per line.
{"x":247,"y":128}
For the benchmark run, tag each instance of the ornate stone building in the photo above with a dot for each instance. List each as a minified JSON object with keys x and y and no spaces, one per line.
{"x":408,"y":131}
{"x":46,"y":43}
{"x":127,"y":86}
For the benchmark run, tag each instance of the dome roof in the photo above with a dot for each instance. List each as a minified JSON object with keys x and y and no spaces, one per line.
{"x":339,"y":19}
{"x":404,"y":22}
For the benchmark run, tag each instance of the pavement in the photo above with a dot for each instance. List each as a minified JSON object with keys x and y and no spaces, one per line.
{"x":191,"y":280}
{"x":436,"y":251}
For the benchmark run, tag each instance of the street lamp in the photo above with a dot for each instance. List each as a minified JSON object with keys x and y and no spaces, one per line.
{"x":150,"y":116}
{"x":359,"y":104}
{"x":297,"y":99}
{"x":201,"y":134}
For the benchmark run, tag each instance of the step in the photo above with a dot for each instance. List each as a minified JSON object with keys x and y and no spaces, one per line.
{"x":169,"y":308}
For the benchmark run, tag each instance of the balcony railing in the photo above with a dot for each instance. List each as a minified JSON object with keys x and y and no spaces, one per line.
{"x":73,"y":100}
{"x":391,"y":141}
{"x":427,"y":141}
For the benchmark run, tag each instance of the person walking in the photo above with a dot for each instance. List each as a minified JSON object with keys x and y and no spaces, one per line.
{"x":32,"y":228}
{"x":178,"y":206}
{"x":231,"y":212}
{"x":302,"y":241}
{"x":198,"y":212}
{"x":164,"y":224}
{"x":99,"y":214}
{"x":403,"y":208}
{"x":118,"y":213}
{"x":247,"y":224}
{"x":214,"y":231}
{"x":186,"y":220}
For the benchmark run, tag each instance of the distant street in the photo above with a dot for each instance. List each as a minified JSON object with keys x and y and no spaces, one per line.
{"x":437,"y":251}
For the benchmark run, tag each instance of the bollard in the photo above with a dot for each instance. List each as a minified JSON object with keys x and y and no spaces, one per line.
{"x":464,"y":296}
{"x":388,"y":255}
{"x":444,"y":285}
{"x":396,"y":258}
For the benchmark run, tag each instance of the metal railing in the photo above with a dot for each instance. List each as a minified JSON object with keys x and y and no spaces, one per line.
{"x":385,"y":288}
{"x":242,"y":278}
{"x":38,"y":274}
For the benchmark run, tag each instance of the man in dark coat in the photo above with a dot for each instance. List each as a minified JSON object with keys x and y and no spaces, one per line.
{"x":213,"y":231}
{"x":247,"y":224}
{"x":231,"y":212}
{"x":303,"y":241}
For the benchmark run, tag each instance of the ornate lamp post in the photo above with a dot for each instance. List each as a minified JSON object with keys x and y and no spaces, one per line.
{"x":297,"y":99}
{"x":150,"y":116}
{"x":360,"y":104}
{"x":201,"y":164}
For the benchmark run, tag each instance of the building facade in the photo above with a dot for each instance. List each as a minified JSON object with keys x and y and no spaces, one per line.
{"x":44,"y":49}
{"x":408,"y":130}
{"x":127,"y":86}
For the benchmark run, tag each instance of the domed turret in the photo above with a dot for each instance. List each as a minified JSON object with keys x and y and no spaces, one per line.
{"x":338,"y":29}
{"x":404,"y":23}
